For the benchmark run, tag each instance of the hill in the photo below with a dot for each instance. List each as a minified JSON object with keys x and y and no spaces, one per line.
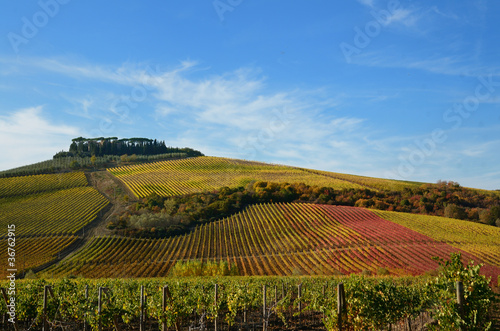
{"x":169,"y":178}
{"x":265,"y":219}
{"x":100,"y":153}
{"x":49,"y":213}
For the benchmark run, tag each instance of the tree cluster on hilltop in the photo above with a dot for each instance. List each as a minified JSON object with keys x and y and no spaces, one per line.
{"x":84,"y":147}
{"x":156,"y":216}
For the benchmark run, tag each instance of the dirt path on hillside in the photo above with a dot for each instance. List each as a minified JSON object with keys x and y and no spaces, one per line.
{"x":115,"y":191}
{"x":119,"y":197}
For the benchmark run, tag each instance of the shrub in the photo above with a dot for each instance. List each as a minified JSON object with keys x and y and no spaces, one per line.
{"x":200,"y":268}
{"x":477,"y":294}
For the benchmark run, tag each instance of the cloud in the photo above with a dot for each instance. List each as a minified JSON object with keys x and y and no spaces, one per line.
{"x":27,"y":137}
{"x":445,"y":65}
{"x":234,"y":114}
{"x":369,"y":3}
{"x":450,"y":15}
{"x":403,"y":16}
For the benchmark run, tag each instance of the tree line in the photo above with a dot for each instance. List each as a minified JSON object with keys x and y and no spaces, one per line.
{"x":156,"y":216}
{"x":86,"y":147}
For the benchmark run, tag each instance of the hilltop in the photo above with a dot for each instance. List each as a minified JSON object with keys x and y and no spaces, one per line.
{"x":90,"y":154}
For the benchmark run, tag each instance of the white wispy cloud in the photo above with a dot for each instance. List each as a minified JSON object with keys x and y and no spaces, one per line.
{"x":235,"y":114}
{"x":369,"y":3}
{"x":449,"y":15}
{"x":444,"y":65}
{"x":27,"y":136}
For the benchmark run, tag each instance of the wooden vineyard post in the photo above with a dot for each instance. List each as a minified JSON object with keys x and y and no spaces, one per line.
{"x":323,"y":293}
{"x":217,"y":313}
{"x":47,"y":289}
{"x":99,"y":309}
{"x":141,"y":316}
{"x":460,"y":298}
{"x":115,"y":319}
{"x":299,"y":297}
{"x":245,"y":309}
{"x":6,"y":299}
{"x":275,"y":294}
{"x":264,"y":313}
{"x":166,"y":294}
{"x":408,"y":324}
{"x":85,"y":315}
{"x":340,"y":304}
{"x":45,"y":326}
{"x":164,"y":306}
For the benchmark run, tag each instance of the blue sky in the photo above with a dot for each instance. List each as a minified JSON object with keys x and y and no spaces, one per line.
{"x":396,"y":89}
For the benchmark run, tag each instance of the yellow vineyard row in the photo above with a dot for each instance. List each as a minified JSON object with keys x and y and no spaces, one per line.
{"x":59,"y":212}
{"x":23,"y":185}
{"x":272,"y":239}
{"x":177,"y":177}
{"x":33,"y":252}
{"x":479,"y":239}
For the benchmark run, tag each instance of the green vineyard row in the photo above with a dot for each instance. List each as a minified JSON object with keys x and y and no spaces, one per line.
{"x":372,"y":303}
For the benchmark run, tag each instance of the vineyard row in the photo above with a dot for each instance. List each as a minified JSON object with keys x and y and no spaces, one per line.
{"x":185,"y":176}
{"x":275,"y":239}
{"x":58,"y":212}
{"x":229,"y":301}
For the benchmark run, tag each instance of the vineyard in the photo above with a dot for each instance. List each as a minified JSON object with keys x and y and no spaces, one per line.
{"x":21,"y":186}
{"x":36,"y":251}
{"x":48,"y":212}
{"x":177,"y":177}
{"x":258,"y":303}
{"x":477,"y":239}
{"x":278,"y":239}
{"x":58,"y":212}
{"x":370,"y":182}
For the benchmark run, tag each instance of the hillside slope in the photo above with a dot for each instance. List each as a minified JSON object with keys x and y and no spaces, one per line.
{"x":50,"y":213}
{"x":168,"y":178}
{"x":277,"y":239}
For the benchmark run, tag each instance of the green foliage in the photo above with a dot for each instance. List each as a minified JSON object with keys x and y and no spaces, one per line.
{"x":74,"y":164}
{"x":490,"y":216}
{"x":454,"y":211}
{"x":477,"y":294}
{"x":101,"y":146}
{"x":200,"y":268}
{"x":372,"y":303}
